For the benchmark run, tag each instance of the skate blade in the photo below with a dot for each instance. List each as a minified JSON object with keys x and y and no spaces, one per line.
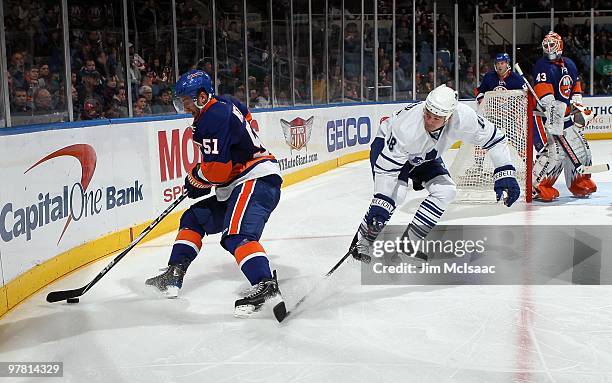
{"x":247,"y":311}
{"x":171,"y":292}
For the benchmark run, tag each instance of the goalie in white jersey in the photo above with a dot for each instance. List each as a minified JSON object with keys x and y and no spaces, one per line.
{"x":409,"y":145}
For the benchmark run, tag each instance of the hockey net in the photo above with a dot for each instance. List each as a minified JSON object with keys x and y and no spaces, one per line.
{"x":472,"y":170}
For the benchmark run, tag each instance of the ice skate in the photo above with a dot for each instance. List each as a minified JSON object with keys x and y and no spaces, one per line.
{"x":170,"y":281}
{"x":265,"y":293}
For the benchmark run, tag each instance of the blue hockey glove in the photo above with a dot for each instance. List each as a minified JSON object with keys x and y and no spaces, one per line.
{"x":377,"y":216}
{"x":373,"y":223}
{"x":195,"y":186}
{"x":505,"y":181}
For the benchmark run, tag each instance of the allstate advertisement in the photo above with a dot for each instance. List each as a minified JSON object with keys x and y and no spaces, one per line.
{"x":63,"y":188}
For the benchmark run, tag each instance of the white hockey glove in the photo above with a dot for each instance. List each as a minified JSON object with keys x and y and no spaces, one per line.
{"x":555,"y":112}
{"x":581,"y":116}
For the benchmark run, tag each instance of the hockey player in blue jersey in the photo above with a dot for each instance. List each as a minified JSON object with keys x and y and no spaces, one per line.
{"x":557,"y":85}
{"x":501,"y":78}
{"x":246,"y":179}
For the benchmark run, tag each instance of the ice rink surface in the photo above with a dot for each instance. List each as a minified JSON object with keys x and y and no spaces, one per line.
{"x":121,"y":332}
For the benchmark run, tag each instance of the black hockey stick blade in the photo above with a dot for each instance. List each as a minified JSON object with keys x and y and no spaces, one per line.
{"x":62,"y":295}
{"x":57,"y":296}
{"x":280,"y":310}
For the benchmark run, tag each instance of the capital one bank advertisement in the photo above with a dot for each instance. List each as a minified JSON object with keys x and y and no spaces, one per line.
{"x":63,"y":188}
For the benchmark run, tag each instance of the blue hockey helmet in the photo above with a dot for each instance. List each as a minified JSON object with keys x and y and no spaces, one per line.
{"x":190,"y":84}
{"x":503,"y":57}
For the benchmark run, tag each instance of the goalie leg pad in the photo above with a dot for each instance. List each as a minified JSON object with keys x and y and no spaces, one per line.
{"x":546,"y":169}
{"x":581,"y":185}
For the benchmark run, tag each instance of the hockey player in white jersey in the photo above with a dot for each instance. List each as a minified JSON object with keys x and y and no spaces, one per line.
{"x":409,"y":145}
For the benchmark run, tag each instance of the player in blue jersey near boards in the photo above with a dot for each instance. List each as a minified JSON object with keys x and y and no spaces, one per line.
{"x":247,"y":182}
{"x":501,"y":78}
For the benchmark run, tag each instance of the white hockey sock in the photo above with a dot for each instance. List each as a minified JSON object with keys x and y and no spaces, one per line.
{"x":425,"y":219}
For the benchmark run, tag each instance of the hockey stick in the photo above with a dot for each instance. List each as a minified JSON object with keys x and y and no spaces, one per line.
{"x":280,"y":310}
{"x":582,"y":169}
{"x":62,"y":295}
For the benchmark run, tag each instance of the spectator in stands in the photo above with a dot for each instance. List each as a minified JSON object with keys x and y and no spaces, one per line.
{"x":140,"y":106}
{"x":163,"y":104}
{"x":266,"y":97}
{"x":468,"y":84}
{"x":401,"y":81}
{"x":146,"y":92}
{"x":90,"y":86}
{"x":92,"y":109}
{"x":33,"y":78}
{"x":17,"y":69}
{"x":256,"y":101}
{"x":603,"y":67}
{"x":119,"y":101}
{"x":19,"y":102}
{"x":43,"y":101}
{"x":9,"y":80}
{"x":50,"y":82}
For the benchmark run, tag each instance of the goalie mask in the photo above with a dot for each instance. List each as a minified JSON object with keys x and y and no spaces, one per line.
{"x":552,"y":45}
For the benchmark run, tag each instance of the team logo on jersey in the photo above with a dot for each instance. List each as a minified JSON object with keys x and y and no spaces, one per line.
{"x":565,"y":86}
{"x":297,"y":132}
{"x":415,"y":160}
{"x":499,"y":87}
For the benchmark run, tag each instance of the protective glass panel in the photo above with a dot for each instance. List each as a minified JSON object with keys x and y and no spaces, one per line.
{"x":403,"y":50}
{"x":35,"y":61}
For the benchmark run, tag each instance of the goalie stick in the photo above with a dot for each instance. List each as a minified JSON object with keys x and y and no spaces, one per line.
{"x":62,"y":295}
{"x":582,"y":169}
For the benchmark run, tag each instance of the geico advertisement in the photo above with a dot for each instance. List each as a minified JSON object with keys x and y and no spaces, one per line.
{"x":66,"y":189}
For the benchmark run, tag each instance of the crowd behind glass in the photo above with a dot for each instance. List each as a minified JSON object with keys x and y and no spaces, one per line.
{"x":288,"y":53}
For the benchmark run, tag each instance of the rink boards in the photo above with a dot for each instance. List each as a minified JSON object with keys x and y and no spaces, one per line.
{"x":73,"y":193}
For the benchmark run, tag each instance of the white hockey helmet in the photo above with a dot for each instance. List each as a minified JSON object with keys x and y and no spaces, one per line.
{"x":442,"y":101}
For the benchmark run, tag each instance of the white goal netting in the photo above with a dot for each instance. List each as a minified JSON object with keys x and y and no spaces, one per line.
{"x":472,"y":169}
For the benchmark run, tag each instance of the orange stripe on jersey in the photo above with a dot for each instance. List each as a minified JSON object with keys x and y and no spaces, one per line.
{"x":248,"y":117}
{"x":578,"y":87}
{"x":240,"y":207}
{"x":541,"y":130}
{"x":542,"y":89}
{"x":210,"y":103}
{"x":239,"y":168}
{"x":217,"y":172}
{"x":190,"y":236}
{"x":247,"y":249}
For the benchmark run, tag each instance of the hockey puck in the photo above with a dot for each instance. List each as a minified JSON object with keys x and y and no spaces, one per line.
{"x":72,"y":300}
